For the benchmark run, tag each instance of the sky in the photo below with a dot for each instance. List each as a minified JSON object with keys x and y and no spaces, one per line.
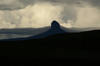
{"x":40,"y":13}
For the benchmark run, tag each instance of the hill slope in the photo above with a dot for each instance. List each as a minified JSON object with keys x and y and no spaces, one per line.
{"x":75,"y":41}
{"x":79,"y":48}
{"x":54,"y":44}
{"x":55,"y":29}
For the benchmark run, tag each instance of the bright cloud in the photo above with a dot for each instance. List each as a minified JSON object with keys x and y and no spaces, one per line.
{"x":36,"y":16}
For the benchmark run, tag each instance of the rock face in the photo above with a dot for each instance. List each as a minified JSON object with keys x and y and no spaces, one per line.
{"x":55,"y":25}
{"x":55,"y":29}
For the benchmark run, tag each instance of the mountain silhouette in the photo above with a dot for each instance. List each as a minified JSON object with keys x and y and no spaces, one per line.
{"x":55,"y":29}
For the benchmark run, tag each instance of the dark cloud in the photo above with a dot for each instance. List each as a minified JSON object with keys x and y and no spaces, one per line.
{"x":31,"y":2}
{"x":72,"y":2}
{"x":19,"y":4}
{"x":95,"y":3}
{"x":10,"y":5}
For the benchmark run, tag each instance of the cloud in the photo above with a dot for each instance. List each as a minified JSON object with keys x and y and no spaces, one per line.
{"x":70,"y":2}
{"x":4,"y":23}
{"x":93,"y":3}
{"x":10,"y":5}
{"x":86,"y":17}
{"x":54,"y":2}
{"x":20,"y":4}
{"x":39,"y":15}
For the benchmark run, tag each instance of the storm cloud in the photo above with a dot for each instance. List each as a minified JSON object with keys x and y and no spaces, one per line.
{"x":10,"y":5}
{"x":18,"y":4}
{"x":40,"y":13}
{"x":94,"y":3}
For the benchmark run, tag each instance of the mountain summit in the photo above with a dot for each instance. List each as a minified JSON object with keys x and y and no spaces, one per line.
{"x":55,"y":25}
{"x":55,"y":29}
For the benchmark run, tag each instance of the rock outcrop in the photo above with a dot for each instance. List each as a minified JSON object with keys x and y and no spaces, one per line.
{"x":55,"y":29}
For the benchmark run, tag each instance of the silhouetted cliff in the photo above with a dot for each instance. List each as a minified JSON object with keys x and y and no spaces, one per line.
{"x":55,"y":29}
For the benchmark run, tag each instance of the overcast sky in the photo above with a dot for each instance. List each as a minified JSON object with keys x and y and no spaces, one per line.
{"x":40,"y":13}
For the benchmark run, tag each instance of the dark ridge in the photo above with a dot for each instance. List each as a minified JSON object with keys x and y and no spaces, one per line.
{"x":69,"y":48}
{"x":55,"y":29}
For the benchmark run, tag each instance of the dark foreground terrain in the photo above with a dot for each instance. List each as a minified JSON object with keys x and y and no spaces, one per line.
{"x":60,"y":49}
